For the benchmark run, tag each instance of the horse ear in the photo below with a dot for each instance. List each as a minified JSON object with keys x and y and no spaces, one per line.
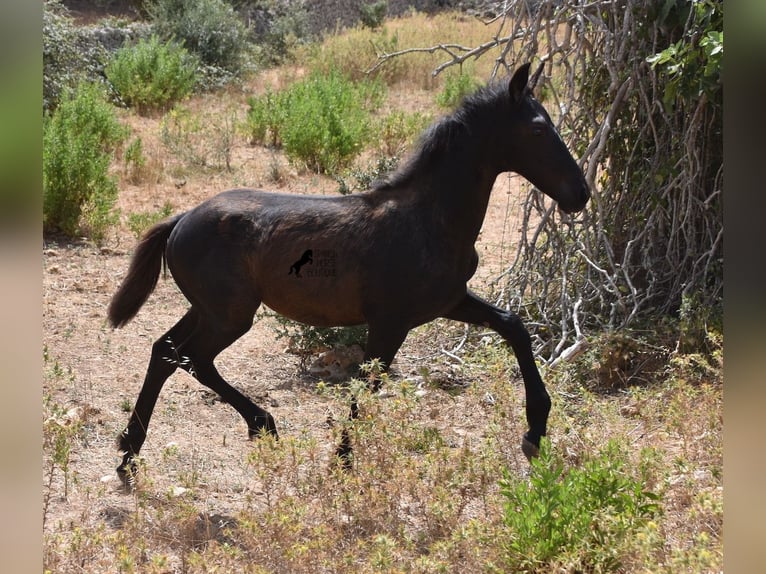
{"x":519,"y":83}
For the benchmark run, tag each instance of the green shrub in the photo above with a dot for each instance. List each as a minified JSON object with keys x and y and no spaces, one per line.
{"x":60,"y":62}
{"x":79,"y":139}
{"x":265,"y":118}
{"x":456,"y":87}
{"x":373,"y":15}
{"x":578,"y":519}
{"x":152,"y":75}
{"x":322,"y":121}
{"x":140,"y":222}
{"x":71,"y":54}
{"x":208,"y":28}
{"x":398,"y":129}
{"x":134,"y":159}
{"x":276,"y":28}
{"x":365,"y":178}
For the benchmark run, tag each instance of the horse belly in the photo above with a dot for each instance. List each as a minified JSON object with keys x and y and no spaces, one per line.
{"x":314,"y":294}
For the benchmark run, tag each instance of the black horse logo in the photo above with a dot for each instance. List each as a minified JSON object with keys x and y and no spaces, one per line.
{"x":307,"y":257}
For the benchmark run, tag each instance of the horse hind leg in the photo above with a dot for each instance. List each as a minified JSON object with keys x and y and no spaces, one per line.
{"x":197,"y":358}
{"x":163,"y":363}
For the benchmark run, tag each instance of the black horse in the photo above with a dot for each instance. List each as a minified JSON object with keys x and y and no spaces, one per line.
{"x":397,"y":256}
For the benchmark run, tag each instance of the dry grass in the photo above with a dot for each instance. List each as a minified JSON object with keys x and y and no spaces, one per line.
{"x":356,"y":51}
{"x":424,"y":494}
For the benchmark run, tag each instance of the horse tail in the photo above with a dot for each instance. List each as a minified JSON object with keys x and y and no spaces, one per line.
{"x":143,"y":273}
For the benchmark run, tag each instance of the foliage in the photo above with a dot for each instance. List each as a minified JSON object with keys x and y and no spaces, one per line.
{"x":208,"y":28}
{"x":60,"y":61}
{"x":69,"y":56}
{"x":693,"y":64}
{"x":397,"y":131}
{"x":151,"y":75}
{"x":374,"y":14}
{"x":276,"y":27}
{"x":79,"y":139}
{"x":365,"y":178}
{"x":576,"y":519}
{"x":456,"y":87}
{"x":306,"y":340}
{"x":138,"y":223}
{"x":356,"y":51}
{"x":322,"y":121}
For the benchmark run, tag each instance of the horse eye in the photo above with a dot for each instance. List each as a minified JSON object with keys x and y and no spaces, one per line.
{"x":537,"y":131}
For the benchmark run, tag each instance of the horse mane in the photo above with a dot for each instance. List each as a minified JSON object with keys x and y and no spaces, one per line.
{"x":440,"y":138}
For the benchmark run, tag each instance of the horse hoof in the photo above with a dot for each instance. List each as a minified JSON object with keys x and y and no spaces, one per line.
{"x":127,"y":472}
{"x":529,"y":449}
{"x":344,"y":454}
{"x":344,"y":459}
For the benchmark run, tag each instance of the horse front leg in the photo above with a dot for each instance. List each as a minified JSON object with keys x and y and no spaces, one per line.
{"x":383,"y":342}
{"x":509,"y":325}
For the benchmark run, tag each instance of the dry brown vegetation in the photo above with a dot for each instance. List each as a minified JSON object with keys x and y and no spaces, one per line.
{"x":432,"y":447}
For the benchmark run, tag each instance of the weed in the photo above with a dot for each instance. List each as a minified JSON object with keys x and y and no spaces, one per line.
{"x":199,"y":141}
{"x":126,"y":406}
{"x":61,"y":428}
{"x":365,"y":178}
{"x":306,"y":340}
{"x":135,"y":161}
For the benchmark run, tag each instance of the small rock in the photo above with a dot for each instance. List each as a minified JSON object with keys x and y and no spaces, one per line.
{"x":177,"y":491}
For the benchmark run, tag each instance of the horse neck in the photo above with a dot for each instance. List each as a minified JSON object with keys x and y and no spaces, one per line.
{"x":458,"y":193}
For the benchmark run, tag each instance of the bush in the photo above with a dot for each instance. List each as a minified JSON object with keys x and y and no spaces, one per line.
{"x":577,"y":520}
{"x":79,"y":139}
{"x":201,"y":140}
{"x":60,"y":63}
{"x":70,"y":54}
{"x":138,"y":223}
{"x":398,"y":130}
{"x":322,"y":121}
{"x":456,"y":87}
{"x":208,"y":28}
{"x":373,"y":15}
{"x":152,"y":75}
{"x":275,"y":27}
{"x":365,"y":178}
{"x":307,"y":340}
